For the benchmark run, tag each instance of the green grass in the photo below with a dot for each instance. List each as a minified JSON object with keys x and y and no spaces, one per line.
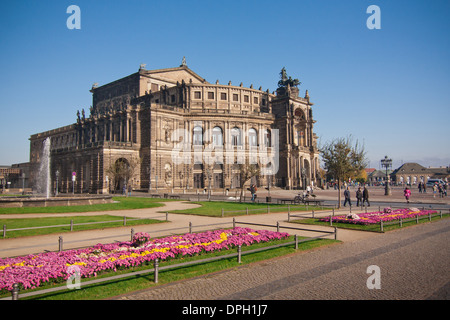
{"x":214,"y":208}
{"x":123,"y":203}
{"x":370,"y":227}
{"x":133,"y":283}
{"x":39,"y":222}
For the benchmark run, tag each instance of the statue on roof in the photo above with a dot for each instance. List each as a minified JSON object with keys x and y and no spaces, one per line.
{"x":287,"y":81}
{"x":183,"y":62}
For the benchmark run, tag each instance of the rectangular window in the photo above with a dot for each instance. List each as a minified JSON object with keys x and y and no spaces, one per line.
{"x":255,"y":100}
{"x":154,"y":87}
{"x":235,"y":97}
{"x":197,"y":95}
{"x":246,"y":98}
{"x":263,"y":102}
{"x":172,"y":98}
{"x":223,"y":96}
{"x":211,"y":95}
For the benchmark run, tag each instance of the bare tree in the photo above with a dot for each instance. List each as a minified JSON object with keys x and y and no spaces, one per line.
{"x":343,"y":160}
{"x":123,"y":170}
{"x":246,"y":172}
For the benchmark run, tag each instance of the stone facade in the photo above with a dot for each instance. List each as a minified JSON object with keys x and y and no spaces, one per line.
{"x":184,"y":133}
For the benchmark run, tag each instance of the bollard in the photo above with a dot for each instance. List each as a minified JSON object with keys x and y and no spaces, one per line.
{"x":234,"y":223}
{"x":313,"y":213}
{"x":289,"y":216}
{"x":4,"y":231}
{"x":429,"y":216}
{"x":417,"y":219}
{"x":289,"y":209}
{"x":156,"y":266}
{"x":239,"y":254}
{"x":132,"y":234}
{"x":60,"y":243}
{"x":278,"y":226}
{"x":124,"y":220}
{"x":331,"y":220}
{"x":335,"y":233}
{"x":167,"y":216}
{"x":190,"y":227}
{"x":381,"y":225}
{"x":268,"y":209}
{"x":333,"y":212}
{"x":296,"y":242}
{"x":401,"y":222}
{"x":222,"y":213}
{"x":15,"y":291}
{"x":71,"y":225}
{"x":246,"y":211}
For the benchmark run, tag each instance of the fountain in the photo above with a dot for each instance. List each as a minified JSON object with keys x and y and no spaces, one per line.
{"x":42,"y":197}
{"x":43,"y":182}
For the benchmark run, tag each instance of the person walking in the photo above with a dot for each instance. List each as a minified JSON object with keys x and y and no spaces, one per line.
{"x":434,"y":190}
{"x":366,"y":196}
{"x":359,"y":197}
{"x":407,"y":194}
{"x":253,"y":191}
{"x":347,"y":197}
{"x":441,"y":191}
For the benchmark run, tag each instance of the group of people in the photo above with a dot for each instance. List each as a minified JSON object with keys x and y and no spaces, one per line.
{"x":442,"y":189}
{"x":362,"y":196}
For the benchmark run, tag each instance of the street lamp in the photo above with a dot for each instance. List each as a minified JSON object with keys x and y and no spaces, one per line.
{"x":386,"y":163}
{"x":57,"y":180}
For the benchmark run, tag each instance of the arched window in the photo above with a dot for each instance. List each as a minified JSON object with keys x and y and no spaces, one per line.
{"x":236,"y":136}
{"x":252,"y":138}
{"x":217,"y":137}
{"x":198,"y":136}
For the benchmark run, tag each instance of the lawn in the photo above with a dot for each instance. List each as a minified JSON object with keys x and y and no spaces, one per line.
{"x":120,"y":203}
{"x":53,"y":221}
{"x":214,"y":208}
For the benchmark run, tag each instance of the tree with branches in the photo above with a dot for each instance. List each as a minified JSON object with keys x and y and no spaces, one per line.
{"x":342,"y":160}
{"x":123,"y":170}
{"x":246,"y":172}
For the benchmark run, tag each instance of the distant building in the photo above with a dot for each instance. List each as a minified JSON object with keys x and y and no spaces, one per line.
{"x":9,"y":177}
{"x":413,"y":173}
{"x":377,"y":176}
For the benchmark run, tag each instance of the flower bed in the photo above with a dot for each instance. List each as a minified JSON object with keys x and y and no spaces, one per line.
{"x":33,"y":270}
{"x":375,"y":217}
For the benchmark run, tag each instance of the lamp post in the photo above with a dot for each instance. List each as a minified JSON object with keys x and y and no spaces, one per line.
{"x":386,"y":163}
{"x":57,"y":180}
{"x":23,"y":182}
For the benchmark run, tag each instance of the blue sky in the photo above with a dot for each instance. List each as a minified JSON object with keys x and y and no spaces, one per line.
{"x":388,"y":88}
